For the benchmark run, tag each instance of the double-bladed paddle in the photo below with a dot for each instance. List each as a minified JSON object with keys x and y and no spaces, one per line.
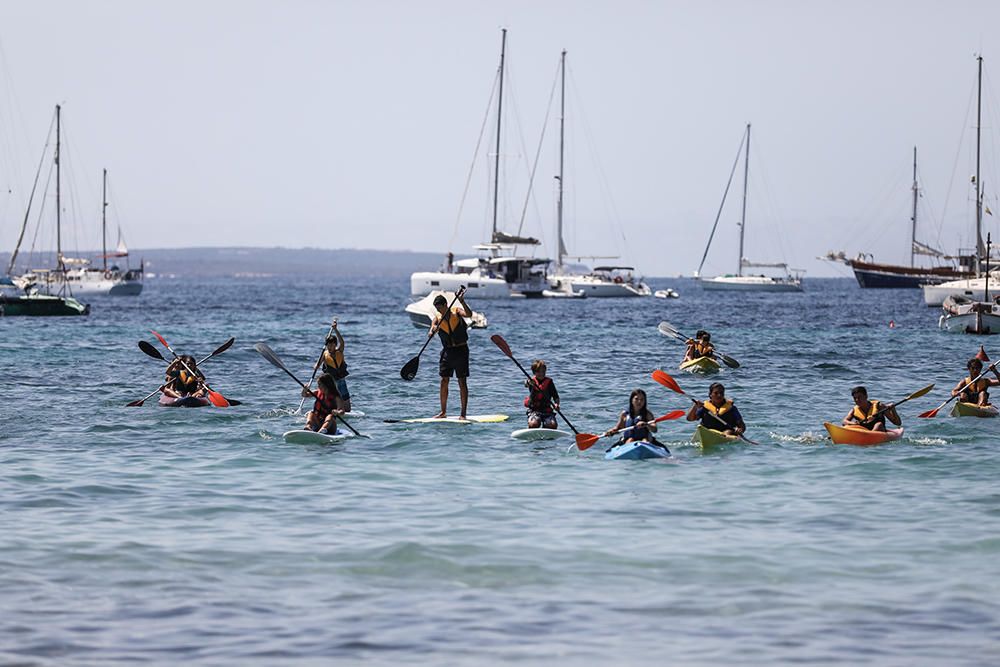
{"x":319,"y":361}
{"x":667,"y":329}
{"x":409,"y":370}
{"x":217,"y":399}
{"x":663,"y":378}
{"x":917,"y":394}
{"x":270,"y":355}
{"x":153,"y":352}
{"x":587,"y":440}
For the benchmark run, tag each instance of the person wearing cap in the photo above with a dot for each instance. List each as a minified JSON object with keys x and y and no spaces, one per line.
{"x":334,"y":365}
{"x":451,"y":328}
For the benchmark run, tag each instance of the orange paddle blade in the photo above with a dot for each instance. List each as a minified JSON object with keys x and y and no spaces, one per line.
{"x":981,"y":355}
{"x":929,"y":414}
{"x":586,"y":440}
{"x":674,"y":414}
{"x":217,"y":399}
{"x":667,"y":381}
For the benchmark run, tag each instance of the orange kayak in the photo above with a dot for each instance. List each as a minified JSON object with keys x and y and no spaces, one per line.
{"x":859,"y":435}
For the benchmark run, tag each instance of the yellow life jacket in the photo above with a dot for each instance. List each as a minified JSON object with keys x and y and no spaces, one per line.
{"x":860,"y":415}
{"x":453,"y":330}
{"x":718,"y":412}
{"x":335,"y":360}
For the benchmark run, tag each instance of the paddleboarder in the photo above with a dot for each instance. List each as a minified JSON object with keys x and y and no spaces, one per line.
{"x":637,"y":418}
{"x":717,"y":408}
{"x":451,"y":328}
{"x":332,"y":362}
{"x":870,"y":414}
{"x":183,"y":378}
{"x":323,"y":416}
{"x":543,"y":400}
{"x":976,"y":392}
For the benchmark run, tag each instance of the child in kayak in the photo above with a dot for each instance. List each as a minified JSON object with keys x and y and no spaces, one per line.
{"x":333,"y":364}
{"x":323,"y":416}
{"x":543,"y":400}
{"x":870,"y":414}
{"x":699,"y":346}
{"x":978,"y":391}
{"x":183,"y":378}
{"x":718,"y":413}
{"x":637,"y":419}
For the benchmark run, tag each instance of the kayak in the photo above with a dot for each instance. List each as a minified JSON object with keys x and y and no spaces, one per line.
{"x":637,"y":450}
{"x":709,"y":437}
{"x":184,"y":401}
{"x":859,"y":435}
{"x":532,"y":434}
{"x":974,"y":410}
{"x":303,"y":437}
{"x":469,"y":419}
{"x":701,"y":365}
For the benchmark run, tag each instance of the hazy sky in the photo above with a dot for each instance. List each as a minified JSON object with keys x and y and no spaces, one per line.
{"x":354,"y":124}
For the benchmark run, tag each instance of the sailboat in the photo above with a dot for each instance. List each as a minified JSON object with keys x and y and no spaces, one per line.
{"x":496,"y":272}
{"x":601,"y":281}
{"x":740,"y":281}
{"x":965,"y":315}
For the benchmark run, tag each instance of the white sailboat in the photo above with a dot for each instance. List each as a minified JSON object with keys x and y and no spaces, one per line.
{"x":790,"y":281}
{"x":963,"y":315}
{"x":497,"y":272}
{"x":601,"y":281}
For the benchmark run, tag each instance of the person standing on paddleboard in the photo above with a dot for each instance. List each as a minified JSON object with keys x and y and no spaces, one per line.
{"x":543,"y":400}
{"x":870,"y":414}
{"x":718,"y":413}
{"x":451,"y":328}
{"x":639,"y":421}
{"x":184,"y":381}
{"x":333,"y":364}
{"x":975,"y":392}
{"x":323,"y":416}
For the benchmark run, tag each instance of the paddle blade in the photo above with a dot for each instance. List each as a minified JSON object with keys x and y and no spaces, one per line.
{"x":667,"y":330}
{"x":981,"y":355}
{"x":409,"y":371}
{"x":930,"y":414}
{"x":663,"y":378}
{"x":673,"y":414}
{"x":729,"y":361}
{"x":135,"y":404}
{"x":501,"y":343}
{"x":586,"y":440}
{"x":162,"y":339}
{"x":222,"y":348}
{"x":217,"y":399}
{"x":150,"y":350}
{"x":266,"y":352}
{"x":919,"y":393}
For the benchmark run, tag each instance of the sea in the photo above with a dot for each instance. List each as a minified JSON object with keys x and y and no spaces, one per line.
{"x":166,"y":536}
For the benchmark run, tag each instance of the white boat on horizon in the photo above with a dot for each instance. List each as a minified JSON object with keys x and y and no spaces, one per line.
{"x":422,"y":312}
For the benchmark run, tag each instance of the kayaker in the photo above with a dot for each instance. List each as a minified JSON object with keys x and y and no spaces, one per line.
{"x":543,"y":400}
{"x":183,"y":378}
{"x":454,"y":334}
{"x":870,"y":414}
{"x":718,"y":413}
{"x":638,"y":417}
{"x":975,"y":392}
{"x":699,"y":346}
{"x":323,"y":416}
{"x":333,"y":363}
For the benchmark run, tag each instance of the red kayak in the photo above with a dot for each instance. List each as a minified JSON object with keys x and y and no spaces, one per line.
{"x":184,"y":401}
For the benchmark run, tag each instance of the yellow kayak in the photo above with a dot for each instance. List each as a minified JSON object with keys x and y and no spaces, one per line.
{"x":701,"y":365}
{"x":709,"y":437}
{"x":974,"y":410}
{"x":859,"y":435}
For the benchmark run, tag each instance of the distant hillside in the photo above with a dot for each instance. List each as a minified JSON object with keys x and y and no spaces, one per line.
{"x":233,"y":261}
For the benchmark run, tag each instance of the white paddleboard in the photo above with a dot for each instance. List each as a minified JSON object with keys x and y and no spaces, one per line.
{"x":354,"y":413}
{"x":532,"y":434}
{"x":469,"y":419}
{"x":303,"y":437}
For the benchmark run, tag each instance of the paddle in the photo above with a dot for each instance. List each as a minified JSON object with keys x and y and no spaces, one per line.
{"x":318,"y":362}
{"x":930,"y":414}
{"x":217,"y":399}
{"x":409,"y":370}
{"x":663,"y":378}
{"x":668,"y":329}
{"x":505,"y":348}
{"x":917,"y":394}
{"x":269,"y":354}
{"x":587,"y":440}
{"x":153,"y":352}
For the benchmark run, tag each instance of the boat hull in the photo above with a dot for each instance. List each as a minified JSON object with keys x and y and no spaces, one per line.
{"x":701,"y":366}
{"x":750,"y":284}
{"x":184,"y":401}
{"x":882,"y":276}
{"x":972,"y":317}
{"x":636,"y":451}
{"x":533,"y":434}
{"x":860,"y":436}
{"x":975,"y":288}
{"x":973,"y":410}
{"x":41,"y":305}
{"x":709,"y":437}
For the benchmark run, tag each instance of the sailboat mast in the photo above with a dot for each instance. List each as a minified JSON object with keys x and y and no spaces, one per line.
{"x":743,"y":215}
{"x":496,"y":157}
{"x":913,"y":218}
{"x":562,"y":137}
{"x":979,"y":199}
{"x":104,"y":220}
{"x":59,"y":256}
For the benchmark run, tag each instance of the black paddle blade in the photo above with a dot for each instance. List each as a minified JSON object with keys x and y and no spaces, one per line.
{"x":729,"y":361}
{"x":135,"y":404}
{"x":409,"y":371}
{"x":268,"y":354}
{"x":150,"y":350}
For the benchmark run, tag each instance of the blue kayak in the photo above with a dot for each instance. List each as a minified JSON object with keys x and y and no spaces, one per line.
{"x":637,"y":450}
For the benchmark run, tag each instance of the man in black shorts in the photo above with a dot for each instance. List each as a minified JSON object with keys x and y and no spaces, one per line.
{"x":454,"y":334}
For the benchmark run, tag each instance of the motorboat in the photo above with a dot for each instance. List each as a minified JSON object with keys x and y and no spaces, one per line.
{"x":422,"y":312}
{"x":668,"y":293}
{"x":609,"y":281}
{"x":962,"y":315}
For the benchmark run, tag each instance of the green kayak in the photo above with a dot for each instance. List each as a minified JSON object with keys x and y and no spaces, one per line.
{"x":709,"y":437}
{"x":974,"y":410}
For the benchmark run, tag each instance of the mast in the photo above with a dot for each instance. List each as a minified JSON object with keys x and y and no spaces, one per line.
{"x":59,"y":256}
{"x":743,"y":216}
{"x":913,"y":218}
{"x":979,"y":200}
{"x":560,"y":251}
{"x":104,"y":220}
{"x":496,"y":157}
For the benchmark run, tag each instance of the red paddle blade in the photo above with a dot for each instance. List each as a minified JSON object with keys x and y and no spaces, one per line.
{"x":929,"y":414}
{"x":135,"y":404}
{"x":501,"y":343}
{"x":667,"y":381}
{"x":162,"y":339}
{"x":586,"y":440}
{"x":673,"y":414}
{"x":217,"y":399}
{"x":981,"y":355}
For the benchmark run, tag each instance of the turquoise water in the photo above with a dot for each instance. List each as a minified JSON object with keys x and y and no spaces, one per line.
{"x":160,"y":536}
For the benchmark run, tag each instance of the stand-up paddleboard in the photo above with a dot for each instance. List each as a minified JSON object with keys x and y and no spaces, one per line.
{"x":637,"y":450}
{"x":709,"y":437}
{"x":973,"y":410}
{"x":354,"y":413}
{"x":469,"y":419}
{"x":701,"y":366}
{"x":303,"y":437}
{"x":533,"y":434}
{"x":184,"y":401}
{"x":859,"y":435}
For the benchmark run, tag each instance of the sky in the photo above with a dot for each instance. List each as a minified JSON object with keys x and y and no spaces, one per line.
{"x":308,"y":123}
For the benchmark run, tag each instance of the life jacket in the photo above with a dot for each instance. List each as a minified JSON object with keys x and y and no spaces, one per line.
{"x":324,"y":404}
{"x":184,"y":382}
{"x":727,"y":413}
{"x":973,"y":390}
{"x":334,"y":364}
{"x":540,"y":398}
{"x":700,"y":349}
{"x":453,"y":330}
{"x":862,"y":416}
{"x":641,"y":433}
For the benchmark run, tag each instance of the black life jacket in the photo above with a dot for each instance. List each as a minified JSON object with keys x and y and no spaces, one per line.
{"x":453,"y":330}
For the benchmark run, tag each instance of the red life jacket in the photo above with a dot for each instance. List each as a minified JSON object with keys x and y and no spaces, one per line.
{"x":540,"y":398}
{"x":324,"y":404}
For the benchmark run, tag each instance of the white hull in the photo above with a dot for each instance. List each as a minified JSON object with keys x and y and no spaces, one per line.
{"x":751,"y":284}
{"x":83,"y":283}
{"x":972,"y":317}
{"x":423,"y":283}
{"x":973,"y":288}
{"x":601,"y":286}
{"x":422,"y":312}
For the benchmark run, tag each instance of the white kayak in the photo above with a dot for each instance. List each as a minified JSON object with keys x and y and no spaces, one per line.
{"x":469,"y":419}
{"x":533,"y":434}
{"x":304,"y":437}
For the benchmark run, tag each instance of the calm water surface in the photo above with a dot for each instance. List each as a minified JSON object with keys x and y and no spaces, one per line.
{"x":198,"y":536}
